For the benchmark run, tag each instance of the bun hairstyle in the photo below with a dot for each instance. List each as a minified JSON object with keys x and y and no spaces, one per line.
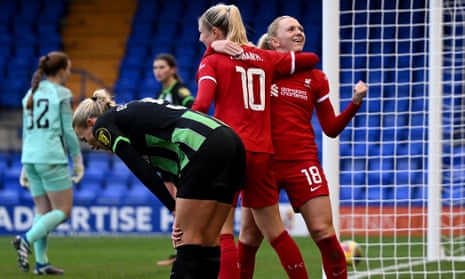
{"x":94,"y":106}
{"x":264,"y":42}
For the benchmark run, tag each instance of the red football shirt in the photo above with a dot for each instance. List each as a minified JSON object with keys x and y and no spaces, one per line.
{"x":292,"y":110}
{"x":240,"y":89}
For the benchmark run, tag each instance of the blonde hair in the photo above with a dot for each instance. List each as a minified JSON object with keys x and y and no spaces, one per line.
{"x":264,"y":42}
{"x":272,"y":32}
{"x":95,"y":106}
{"x":228,"y":19}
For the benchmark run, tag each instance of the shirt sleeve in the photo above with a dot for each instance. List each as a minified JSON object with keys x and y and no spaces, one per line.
{"x":71,"y":139}
{"x":291,"y":62}
{"x":331,"y":124}
{"x":145,"y":173}
{"x":206,"y":89}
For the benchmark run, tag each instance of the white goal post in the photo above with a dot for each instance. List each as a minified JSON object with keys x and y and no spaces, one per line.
{"x":397,"y":172}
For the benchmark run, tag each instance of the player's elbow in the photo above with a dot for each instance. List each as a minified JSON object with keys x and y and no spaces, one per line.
{"x":331,"y":133}
{"x":199,"y":106}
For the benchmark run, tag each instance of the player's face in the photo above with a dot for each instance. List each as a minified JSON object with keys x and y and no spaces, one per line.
{"x":162,"y":71}
{"x":290,"y":35}
{"x":207,"y":36}
{"x":65,"y":73}
{"x":85,"y":135}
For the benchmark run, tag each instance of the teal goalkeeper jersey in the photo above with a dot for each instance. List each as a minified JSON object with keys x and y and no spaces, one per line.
{"x":47,"y":133}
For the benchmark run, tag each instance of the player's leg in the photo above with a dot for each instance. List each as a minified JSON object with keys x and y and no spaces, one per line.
{"x":249,"y":241}
{"x":205,"y":195}
{"x":229,"y":259}
{"x":318,"y":217}
{"x":261,"y":195}
{"x":269,"y":221}
{"x":307,"y":189}
{"x":212,"y":261}
{"x":198,"y":220}
{"x":59,"y":192}
{"x":171,"y":186}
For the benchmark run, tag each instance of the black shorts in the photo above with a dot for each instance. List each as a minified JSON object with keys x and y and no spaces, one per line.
{"x":217,"y":172}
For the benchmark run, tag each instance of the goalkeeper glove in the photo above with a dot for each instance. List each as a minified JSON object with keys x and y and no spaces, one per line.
{"x":23,"y":181}
{"x":78,"y":168}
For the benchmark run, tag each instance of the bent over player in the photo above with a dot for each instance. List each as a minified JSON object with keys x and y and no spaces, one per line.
{"x":208,"y":157}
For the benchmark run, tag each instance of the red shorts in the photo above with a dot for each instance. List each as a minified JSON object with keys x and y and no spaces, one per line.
{"x":302,"y":180}
{"x":260,"y":186}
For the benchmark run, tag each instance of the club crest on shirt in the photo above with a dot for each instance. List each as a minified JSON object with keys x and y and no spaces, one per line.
{"x":104,"y":137}
{"x":307,"y":82}
{"x":184,"y":92}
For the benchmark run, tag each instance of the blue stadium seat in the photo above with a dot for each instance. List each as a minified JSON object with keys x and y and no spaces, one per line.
{"x":10,"y":196}
{"x":349,"y":195}
{"x":26,"y":197}
{"x":126,"y":86}
{"x":112,"y":194}
{"x":194,"y":9}
{"x":94,"y":173}
{"x":122,"y":97}
{"x":454,"y":195}
{"x":133,"y":63}
{"x":98,"y":160}
{"x":400,"y":195}
{"x":149,"y":86}
{"x":11,"y":176}
{"x":419,"y":195}
{"x":387,"y":147}
{"x":138,"y":194}
{"x":375,"y":195}
{"x":87,"y":191}
{"x":118,"y":173}
{"x":380,"y":171}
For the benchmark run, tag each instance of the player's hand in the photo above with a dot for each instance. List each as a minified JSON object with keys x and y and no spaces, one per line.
{"x":176,"y":235}
{"x":360,"y":90}
{"x":78,"y":168}
{"x":228,"y":47}
{"x":274,"y":90}
{"x":23,"y":181}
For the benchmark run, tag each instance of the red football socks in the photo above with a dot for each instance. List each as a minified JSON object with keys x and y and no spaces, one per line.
{"x":334,"y":261}
{"x":246,"y":259}
{"x":290,"y":256}
{"x":229,"y":268}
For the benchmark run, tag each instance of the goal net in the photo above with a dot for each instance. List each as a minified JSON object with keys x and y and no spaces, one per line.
{"x":398,"y":176}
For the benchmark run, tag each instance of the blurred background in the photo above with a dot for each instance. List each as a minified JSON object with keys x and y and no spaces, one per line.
{"x":112,"y":45}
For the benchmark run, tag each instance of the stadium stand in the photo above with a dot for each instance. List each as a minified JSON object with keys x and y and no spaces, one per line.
{"x":96,"y":43}
{"x":118,"y":47}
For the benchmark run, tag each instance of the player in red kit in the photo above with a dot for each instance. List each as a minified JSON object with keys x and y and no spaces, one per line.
{"x":296,"y":165}
{"x":240,"y":89}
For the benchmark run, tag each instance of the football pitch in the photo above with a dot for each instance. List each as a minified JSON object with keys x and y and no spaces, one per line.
{"x":136,"y":257}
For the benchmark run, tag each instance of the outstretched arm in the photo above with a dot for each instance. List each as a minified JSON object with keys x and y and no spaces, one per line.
{"x":333,"y":125}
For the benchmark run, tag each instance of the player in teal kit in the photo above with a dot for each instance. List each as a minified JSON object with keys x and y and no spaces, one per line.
{"x":48,"y":140}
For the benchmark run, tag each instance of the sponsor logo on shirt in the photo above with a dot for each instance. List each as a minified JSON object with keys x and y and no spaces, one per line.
{"x":104,"y":137}
{"x":292,"y":92}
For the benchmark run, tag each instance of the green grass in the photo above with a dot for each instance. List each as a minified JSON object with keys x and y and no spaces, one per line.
{"x":135,"y":257}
